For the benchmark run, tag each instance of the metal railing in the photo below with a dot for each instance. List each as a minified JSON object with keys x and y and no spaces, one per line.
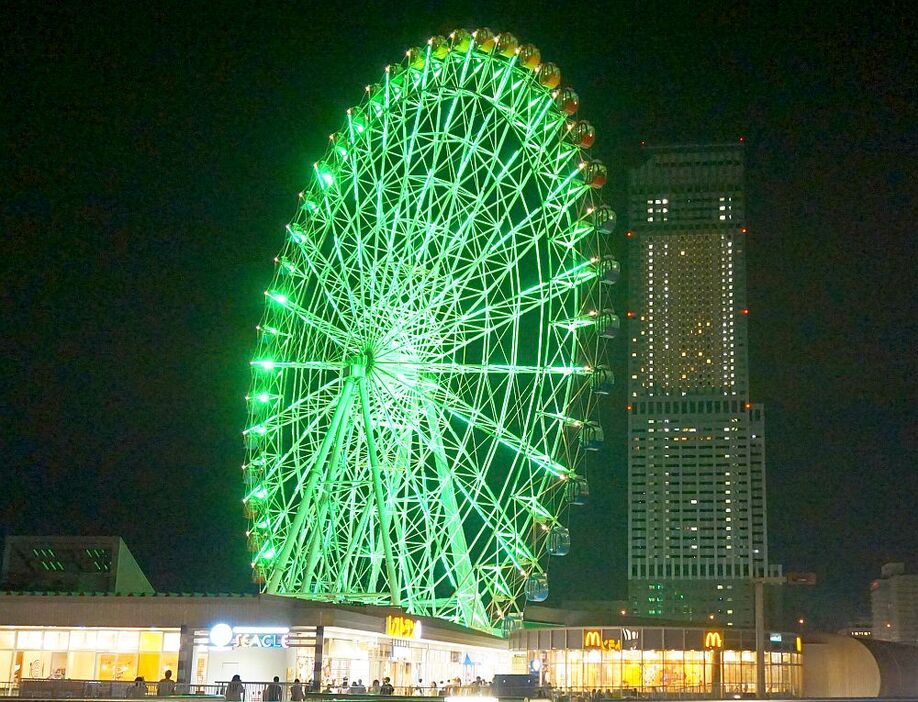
{"x":56,"y":689}
{"x":257,"y":691}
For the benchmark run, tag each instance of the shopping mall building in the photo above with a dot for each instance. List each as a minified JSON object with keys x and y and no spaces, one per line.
{"x":206,"y":639}
{"x":209,"y":638}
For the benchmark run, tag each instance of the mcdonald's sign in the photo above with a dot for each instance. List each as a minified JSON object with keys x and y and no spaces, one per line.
{"x":713,"y":640}
{"x":593,"y":640}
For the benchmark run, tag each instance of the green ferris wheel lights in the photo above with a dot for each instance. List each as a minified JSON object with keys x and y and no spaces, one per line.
{"x":425,"y":361}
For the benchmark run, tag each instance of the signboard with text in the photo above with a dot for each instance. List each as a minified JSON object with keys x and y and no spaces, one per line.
{"x":401,"y":627}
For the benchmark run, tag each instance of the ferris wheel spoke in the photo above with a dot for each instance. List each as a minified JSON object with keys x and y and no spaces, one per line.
{"x":382,"y":505}
{"x":503,"y":313}
{"x":485,"y":368}
{"x":473,"y":213}
{"x":341,"y":409}
{"x":478,"y":420}
{"x":500,"y":237}
{"x":438,"y":526}
{"x":321,"y":272}
{"x":323,"y":500}
{"x":467,"y":589}
{"x":493,"y":512}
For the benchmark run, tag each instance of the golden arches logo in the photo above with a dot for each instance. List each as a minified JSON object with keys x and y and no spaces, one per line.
{"x":592,"y":639}
{"x":713,"y":639}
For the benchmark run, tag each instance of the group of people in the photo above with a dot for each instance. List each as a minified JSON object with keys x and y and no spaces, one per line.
{"x":164,"y":688}
{"x":274,"y":691}
{"x":356,"y":687}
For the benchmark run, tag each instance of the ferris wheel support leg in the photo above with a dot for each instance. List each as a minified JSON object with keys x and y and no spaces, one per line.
{"x":341,"y":584}
{"x":467,"y":595}
{"x":384,"y":512}
{"x":318,"y":528}
{"x":344,"y":402}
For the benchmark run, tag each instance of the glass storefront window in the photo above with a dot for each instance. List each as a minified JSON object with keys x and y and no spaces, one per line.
{"x":86,"y":654}
{"x":6,"y":666}
{"x":151,"y":641}
{"x":81,"y":665}
{"x":148,"y":666}
{"x":171,"y":641}
{"x":56,"y":640}
{"x":105,"y":641}
{"x":29,"y":639}
{"x":665,"y":671}
{"x":117,"y":666}
{"x":127,"y":641}
{"x":82,"y":640}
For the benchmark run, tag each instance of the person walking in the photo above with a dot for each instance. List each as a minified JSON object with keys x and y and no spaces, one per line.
{"x":273,"y":691}
{"x":386,"y":688}
{"x":166,"y":686}
{"x":235,"y":691}
{"x":296,"y":691}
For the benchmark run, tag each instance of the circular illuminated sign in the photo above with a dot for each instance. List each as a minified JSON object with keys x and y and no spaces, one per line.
{"x":221,"y":635}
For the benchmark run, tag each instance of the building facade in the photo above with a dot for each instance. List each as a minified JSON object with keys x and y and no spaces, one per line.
{"x":697,"y":531}
{"x":57,"y":639}
{"x":894,"y":605}
{"x":649,"y":661}
{"x":71,"y":564}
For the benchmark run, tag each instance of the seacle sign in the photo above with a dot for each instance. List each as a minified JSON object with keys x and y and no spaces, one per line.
{"x":261,"y":641}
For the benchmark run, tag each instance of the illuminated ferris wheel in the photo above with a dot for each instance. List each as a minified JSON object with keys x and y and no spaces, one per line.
{"x":424,"y":387}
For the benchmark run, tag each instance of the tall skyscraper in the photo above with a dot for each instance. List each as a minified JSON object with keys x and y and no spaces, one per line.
{"x":697,"y":529}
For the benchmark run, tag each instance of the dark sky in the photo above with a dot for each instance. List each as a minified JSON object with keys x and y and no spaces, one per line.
{"x":152,"y":153}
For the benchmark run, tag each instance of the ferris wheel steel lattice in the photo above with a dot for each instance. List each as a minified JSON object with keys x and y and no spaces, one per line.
{"x":428,"y":365}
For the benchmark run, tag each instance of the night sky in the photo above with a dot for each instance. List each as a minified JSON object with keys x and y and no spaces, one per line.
{"x":151,"y":157}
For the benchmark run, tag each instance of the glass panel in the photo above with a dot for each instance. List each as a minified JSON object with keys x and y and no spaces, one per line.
{"x":29,"y":639}
{"x":56,"y":640}
{"x":6,"y":663}
{"x":7,"y":640}
{"x":148,"y":667}
{"x":81,"y":665}
{"x":105,"y":640}
{"x":631,"y":670}
{"x":170,"y":662}
{"x":128,"y":641}
{"x":673,"y":671}
{"x":151,"y":641}
{"x":653,"y":639}
{"x":59,"y":665}
{"x":694,"y":674}
{"x":591,"y":669}
{"x":36,"y":664}
{"x":171,"y":641}
{"x":82,"y":640}
{"x":121,"y":666}
{"x":559,"y":639}
{"x":653,"y":668}
{"x":673,"y":639}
